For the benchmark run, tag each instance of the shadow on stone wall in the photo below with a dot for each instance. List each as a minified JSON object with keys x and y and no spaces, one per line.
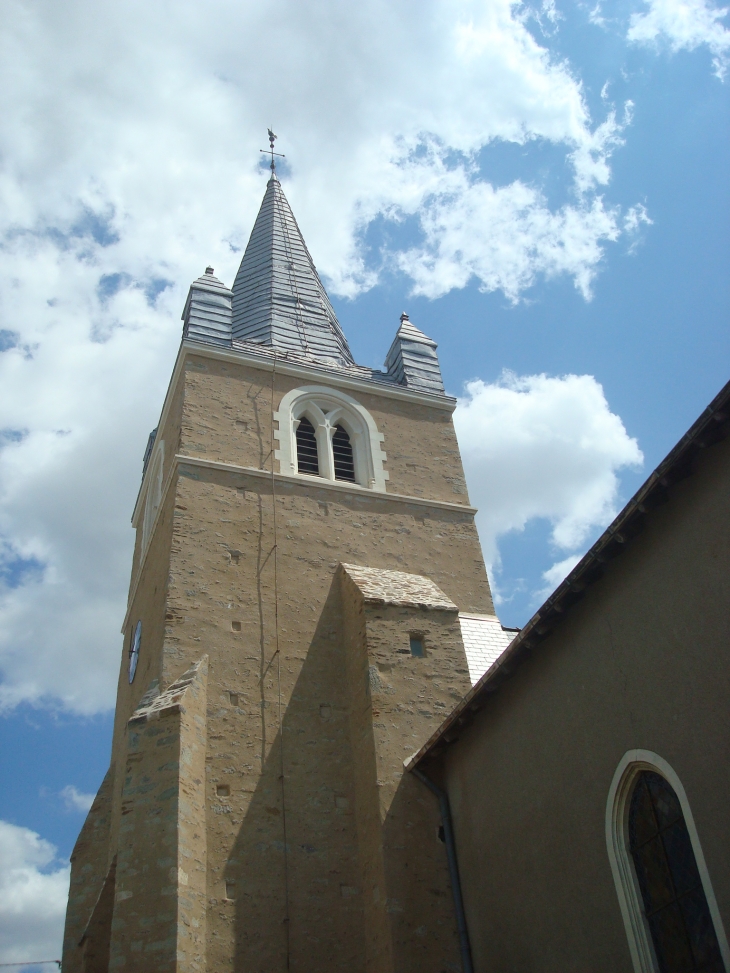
{"x":310,"y":902}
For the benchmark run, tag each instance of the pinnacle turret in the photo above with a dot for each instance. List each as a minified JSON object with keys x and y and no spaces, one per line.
{"x":207,"y":313}
{"x":412,"y":359}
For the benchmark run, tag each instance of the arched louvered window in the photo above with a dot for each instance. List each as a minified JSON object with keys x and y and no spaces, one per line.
{"x":674,"y":900}
{"x":307,"y":457}
{"x":350,"y":454}
{"x":342,"y":455}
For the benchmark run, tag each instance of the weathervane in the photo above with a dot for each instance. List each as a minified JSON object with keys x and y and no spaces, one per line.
{"x":272,"y":139}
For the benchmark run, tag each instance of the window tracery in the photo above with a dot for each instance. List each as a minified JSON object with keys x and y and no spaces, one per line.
{"x":325,"y":432}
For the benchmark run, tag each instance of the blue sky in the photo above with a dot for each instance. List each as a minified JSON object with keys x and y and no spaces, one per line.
{"x":543,"y":188}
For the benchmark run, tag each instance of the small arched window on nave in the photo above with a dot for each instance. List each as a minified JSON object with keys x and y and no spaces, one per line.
{"x":307,"y":456}
{"x":672,"y":893}
{"x":344,"y":460}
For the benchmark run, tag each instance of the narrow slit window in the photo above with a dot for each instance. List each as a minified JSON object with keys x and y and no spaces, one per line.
{"x":307,"y":458}
{"x":418,"y":649}
{"x":342,"y":454}
{"x":674,"y":900}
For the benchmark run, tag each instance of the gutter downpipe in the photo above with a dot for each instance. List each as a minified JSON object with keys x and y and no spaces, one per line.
{"x":443,"y":800}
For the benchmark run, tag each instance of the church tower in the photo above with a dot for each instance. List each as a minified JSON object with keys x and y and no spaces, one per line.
{"x":306,"y":574}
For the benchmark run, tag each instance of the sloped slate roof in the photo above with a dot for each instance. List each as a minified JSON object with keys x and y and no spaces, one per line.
{"x":412,"y":359}
{"x":278,"y":298}
{"x":485,"y":639}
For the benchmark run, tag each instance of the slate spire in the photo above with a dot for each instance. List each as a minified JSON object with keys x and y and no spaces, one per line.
{"x":278,"y":298}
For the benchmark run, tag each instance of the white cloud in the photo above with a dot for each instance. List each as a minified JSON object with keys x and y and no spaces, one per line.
{"x":66,"y":493}
{"x":596,"y":17}
{"x":506,"y":237}
{"x":130,"y":141}
{"x":164,"y":145}
{"x":33,"y":894}
{"x":76,"y":800}
{"x":685,"y":25}
{"x":555,"y":574}
{"x":542,"y":447}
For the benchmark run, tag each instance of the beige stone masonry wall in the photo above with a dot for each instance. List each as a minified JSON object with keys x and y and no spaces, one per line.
{"x":397,"y":588}
{"x":90,"y":863}
{"x":160,"y":896}
{"x":396,"y":701}
{"x":147,"y":606}
{"x":244,"y":570}
{"x":169,"y":433}
{"x":96,"y":940}
{"x":227,"y":416}
{"x":222,"y":572}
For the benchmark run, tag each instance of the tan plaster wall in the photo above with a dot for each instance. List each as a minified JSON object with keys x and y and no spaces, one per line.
{"x":641,"y":662}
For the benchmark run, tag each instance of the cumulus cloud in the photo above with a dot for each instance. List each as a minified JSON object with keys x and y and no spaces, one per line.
{"x":76,"y":800}
{"x":33,"y":893}
{"x":505,"y":238}
{"x":685,"y":25}
{"x":547,"y":447}
{"x":67,"y":487}
{"x":555,"y":574}
{"x":133,"y":157}
{"x":130,"y":143}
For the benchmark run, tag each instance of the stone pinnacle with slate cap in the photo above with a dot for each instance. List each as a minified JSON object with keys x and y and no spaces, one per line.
{"x":412,"y":358}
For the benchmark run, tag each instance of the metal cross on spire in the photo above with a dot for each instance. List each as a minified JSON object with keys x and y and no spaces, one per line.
{"x":272,"y":139}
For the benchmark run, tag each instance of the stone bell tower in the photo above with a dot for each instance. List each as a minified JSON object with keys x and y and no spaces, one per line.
{"x":306,"y":574}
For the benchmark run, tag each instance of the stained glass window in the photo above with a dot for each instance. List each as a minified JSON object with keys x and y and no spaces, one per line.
{"x":674,"y":900}
{"x":307,"y":457}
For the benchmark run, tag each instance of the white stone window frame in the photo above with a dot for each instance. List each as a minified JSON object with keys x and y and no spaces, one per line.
{"x":622,"y":865}
{"x":327,"y":408}
{"x":153,"y":493}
